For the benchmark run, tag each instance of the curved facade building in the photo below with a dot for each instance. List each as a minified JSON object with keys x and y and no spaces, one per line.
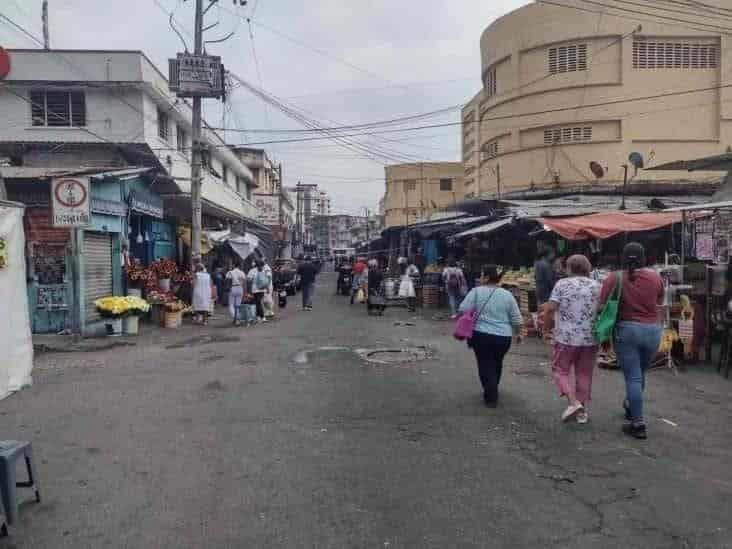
{"x":574,"y":82}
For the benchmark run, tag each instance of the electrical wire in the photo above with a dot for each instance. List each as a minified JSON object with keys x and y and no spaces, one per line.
{"x":20,"y":29}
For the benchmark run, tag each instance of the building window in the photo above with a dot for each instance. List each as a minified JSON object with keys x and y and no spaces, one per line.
{"x":163,"y":124}
{"x":674,"y":55}
{"x":238,"y":184}
{"x":490,"y":82}
{"x":446,"y":184}
{"x":181,"y":139}
{"x":58,"y":108}
{"x":569,"y":58}
{"x":410,"y":185}
{"x":224,"y":173}
{"x":490,"y":149}
{"x":569,"y":134}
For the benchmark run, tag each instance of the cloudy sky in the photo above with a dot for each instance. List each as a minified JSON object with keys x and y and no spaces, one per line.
{"x":340,"y":62}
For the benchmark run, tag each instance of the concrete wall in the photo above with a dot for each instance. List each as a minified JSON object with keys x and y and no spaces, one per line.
{"x":402,"y":206}
{"x":603,"y":97}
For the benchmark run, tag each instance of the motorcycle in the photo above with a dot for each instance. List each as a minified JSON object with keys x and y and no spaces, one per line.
{"x":345,"y":280}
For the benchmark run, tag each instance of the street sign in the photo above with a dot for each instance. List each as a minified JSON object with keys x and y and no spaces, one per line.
{"x":196,"y":75}
{"x":71,"y":202}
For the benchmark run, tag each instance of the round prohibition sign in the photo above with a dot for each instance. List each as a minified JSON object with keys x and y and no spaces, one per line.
{"x":70,"y":193}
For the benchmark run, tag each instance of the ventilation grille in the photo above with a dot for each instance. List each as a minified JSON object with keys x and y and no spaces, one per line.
{"x":570,"y":58}
{"x":490,"y":150}
{"x":674,"y":55}
{"x":570,"y":134}
{"x":490,"y":82}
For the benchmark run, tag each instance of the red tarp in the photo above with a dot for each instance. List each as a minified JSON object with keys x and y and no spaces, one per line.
{"x":605,"y":225}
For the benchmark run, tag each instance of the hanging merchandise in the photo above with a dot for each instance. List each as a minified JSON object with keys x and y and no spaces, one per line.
{"x":3,"y":252}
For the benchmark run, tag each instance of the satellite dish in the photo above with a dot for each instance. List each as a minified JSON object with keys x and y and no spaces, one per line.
{"x":636,"y":159}
{"x":596,"y":169}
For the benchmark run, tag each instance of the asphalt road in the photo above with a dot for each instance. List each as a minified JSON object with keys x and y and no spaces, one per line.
{"x":283,"y":435}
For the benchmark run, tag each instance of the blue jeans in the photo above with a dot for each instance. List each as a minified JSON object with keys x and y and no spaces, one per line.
{"x":307,"y":294}
{"x":636,"y":345}
{"x":454,"y":301}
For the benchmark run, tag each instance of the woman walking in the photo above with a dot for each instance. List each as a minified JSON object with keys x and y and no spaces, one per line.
{"x":238,"y":281}
{"x":638,"y":330}
{"x":456,"y":285}
{"x":260,"y":280}
{"x":410,"y":272}
{"x":202,"y":300}
{"x":499,"y":318}
{"x":571,"y":312}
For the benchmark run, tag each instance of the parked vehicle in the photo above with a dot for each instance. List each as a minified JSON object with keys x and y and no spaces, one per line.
{"x":345,"y":279}
{"x":285,"y":277}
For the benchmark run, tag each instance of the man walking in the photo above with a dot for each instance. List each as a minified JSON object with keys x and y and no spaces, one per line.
{"x":307,"y":271}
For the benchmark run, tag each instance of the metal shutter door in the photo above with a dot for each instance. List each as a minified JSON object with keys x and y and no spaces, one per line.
{"x":97,"y":271}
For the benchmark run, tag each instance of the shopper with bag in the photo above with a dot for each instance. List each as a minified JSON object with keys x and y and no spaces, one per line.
{"x":409,"y":272}
{"x":495,"y":318}
{"x":570,"y":312}
{"x":637,"y":333}
{"x":260,"y":281}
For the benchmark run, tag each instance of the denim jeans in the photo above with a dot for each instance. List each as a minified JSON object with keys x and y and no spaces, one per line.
{"x":235,"y":295}
{"x":636,"y":345}
{"x":307,"y":294}
{"x":454,"y":301}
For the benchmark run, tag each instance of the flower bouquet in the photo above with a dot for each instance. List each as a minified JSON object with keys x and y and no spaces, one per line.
{"x":121,"y":306}
{"x":164,"y":270}
{"x":138,"y":275}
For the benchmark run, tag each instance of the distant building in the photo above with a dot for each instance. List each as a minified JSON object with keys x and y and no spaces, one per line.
{"x":413,"y":191}
{"x":340,"y":231}
{"x":309,"y":203}
{"x":563,"y":86}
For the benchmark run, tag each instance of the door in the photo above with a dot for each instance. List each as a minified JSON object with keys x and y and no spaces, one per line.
{"x":97,"y":283}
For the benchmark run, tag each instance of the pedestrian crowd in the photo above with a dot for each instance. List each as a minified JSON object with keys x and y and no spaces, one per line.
{"x":576,"y":310}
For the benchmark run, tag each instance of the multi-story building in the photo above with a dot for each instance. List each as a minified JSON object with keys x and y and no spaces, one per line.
{"x":339,"y":231}
{"x":309,"y":203}
{"x":265,"y":172}
{"x":567,"y":85}
{"x":320,"y":203}
{"x":413,"y":191}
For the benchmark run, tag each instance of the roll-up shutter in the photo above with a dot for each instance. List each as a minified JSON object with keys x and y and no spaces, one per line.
{"x":97,"y":271}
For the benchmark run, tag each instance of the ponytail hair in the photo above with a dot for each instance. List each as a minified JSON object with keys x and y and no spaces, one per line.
{"x":634,"y":258}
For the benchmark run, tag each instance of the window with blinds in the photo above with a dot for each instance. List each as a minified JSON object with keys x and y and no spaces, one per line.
{"x":674,"y":55}
{"x":58,"y":108}
{"x":490,"y":82}
{"x":569,"y":58}
{"x":568,"y":134}
{"x":490,"y":149}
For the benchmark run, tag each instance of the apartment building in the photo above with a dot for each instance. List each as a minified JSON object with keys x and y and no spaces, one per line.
{"x":564,"y":86}
{"x":413,"y":191}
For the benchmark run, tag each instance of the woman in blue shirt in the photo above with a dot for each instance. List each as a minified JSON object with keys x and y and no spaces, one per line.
{"x":499,"y":318}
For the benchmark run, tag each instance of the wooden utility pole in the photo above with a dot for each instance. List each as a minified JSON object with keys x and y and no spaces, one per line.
{"x":196,"y":149}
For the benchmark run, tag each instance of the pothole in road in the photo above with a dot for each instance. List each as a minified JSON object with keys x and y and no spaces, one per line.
{"x":395,"y":356}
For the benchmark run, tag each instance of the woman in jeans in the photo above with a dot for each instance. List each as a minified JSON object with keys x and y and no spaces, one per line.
{"x":498,"y":319}
{"x":638,"y":331}
{"x":571,"y":313}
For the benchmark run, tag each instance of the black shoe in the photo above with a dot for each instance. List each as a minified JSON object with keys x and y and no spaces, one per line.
{"x":491,"y":403}
{"x":626,"y":407}
{"x":635,"y":430}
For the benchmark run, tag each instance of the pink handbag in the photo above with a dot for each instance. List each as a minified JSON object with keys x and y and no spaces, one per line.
{"x":465,"y":325}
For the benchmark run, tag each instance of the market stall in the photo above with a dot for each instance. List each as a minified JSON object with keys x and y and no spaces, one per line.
{"x":15,"y":333}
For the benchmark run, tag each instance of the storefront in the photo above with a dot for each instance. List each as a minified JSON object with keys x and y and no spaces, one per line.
{"x":150,"y":236}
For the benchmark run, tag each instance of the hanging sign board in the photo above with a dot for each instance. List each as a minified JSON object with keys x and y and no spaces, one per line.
{"x":71,"y":202}
{"x":3,"y":252}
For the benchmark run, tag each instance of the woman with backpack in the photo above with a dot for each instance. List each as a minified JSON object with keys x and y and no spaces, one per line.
{"x":456,"y":286}
{"x":638,"y":329}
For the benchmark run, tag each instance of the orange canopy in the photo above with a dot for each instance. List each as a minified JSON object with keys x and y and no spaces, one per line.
{"x":607,"y":224}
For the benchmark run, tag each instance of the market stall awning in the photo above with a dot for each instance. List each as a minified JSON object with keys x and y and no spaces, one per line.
{"x":607,"y":224}
{"x":484,"y":229}
{"x":717,"y":163}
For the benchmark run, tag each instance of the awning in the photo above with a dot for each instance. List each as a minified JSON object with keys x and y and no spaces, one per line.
{"x":484,"y":229}
{"x":605,"y":225}
{"x":717,"y":163}
{"x":243,"y":246}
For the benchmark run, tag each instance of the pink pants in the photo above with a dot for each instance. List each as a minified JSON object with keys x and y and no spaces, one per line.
{"x":583,"y":359}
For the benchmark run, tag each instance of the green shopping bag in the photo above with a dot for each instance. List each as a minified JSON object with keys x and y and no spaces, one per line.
{"x":608,"y":317}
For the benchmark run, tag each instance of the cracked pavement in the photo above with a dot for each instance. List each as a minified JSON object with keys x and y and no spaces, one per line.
{"x":217,"y":437}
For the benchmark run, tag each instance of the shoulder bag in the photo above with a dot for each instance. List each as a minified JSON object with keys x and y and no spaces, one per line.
{"x":465,"y":325}
{"x":608,"y":317}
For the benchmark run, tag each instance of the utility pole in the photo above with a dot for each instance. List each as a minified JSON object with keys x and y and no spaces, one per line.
{"x":196,"y":149}
{"x":498,"y":179}
{"x":625,"y":185}
{"x":44,"y":18}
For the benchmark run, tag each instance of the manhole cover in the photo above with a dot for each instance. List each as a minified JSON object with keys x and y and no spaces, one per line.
{"x":394,"y":356}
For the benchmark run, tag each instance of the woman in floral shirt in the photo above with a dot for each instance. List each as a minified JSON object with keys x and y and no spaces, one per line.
{"x":571,"y":310}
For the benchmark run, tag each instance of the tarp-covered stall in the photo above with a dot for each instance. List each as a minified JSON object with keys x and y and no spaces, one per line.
{"x":15,"y":332}
{"x":605,"y":225}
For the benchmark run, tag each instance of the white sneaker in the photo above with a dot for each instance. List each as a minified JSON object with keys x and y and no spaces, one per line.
{"x":571,"y":411}
{"x":582,"y":417}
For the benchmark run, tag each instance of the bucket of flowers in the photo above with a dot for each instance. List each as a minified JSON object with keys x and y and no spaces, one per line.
{"x":118,"y":308}
{"x":164,"y":269}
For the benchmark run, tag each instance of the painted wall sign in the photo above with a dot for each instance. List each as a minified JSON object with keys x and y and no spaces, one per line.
{"x":146,"y":203}
{"x":109,"y":207}
{"x":71,"y":202}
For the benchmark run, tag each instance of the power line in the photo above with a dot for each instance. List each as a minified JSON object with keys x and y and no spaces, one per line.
{"x":21,"y":29}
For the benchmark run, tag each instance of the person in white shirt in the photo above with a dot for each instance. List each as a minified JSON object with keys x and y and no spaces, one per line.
{"x":238,"y":281}
{"x":260,"y":280}
{"x":201,"y":294}
{"x":456,"y":286}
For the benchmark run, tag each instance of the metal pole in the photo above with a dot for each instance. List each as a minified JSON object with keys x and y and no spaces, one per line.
{"x":196,"y":149}
{"x":625,"y":185}
{"x":3,"y":189}
{"x":498,"y":179}
{"x":44,"y":18}
{"x":683,"y":244}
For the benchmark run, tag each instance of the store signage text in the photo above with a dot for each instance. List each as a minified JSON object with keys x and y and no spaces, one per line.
{"x":71,"y":202}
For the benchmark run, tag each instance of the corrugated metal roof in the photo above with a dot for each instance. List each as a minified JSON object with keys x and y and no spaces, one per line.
{"x":25,"y":172}
{"x":583,"y":205}
{"x":487,"y":228}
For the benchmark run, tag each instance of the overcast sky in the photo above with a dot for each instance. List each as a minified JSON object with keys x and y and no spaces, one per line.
{"x":342,"y":61}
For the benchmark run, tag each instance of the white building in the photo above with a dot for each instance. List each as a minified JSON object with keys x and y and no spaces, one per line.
{"x":79,"y":108}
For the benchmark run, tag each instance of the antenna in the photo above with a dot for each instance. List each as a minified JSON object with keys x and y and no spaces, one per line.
{"x":44,"y":19}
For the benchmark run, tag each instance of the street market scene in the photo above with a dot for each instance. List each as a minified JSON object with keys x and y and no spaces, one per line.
{"x":242,"y":312}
